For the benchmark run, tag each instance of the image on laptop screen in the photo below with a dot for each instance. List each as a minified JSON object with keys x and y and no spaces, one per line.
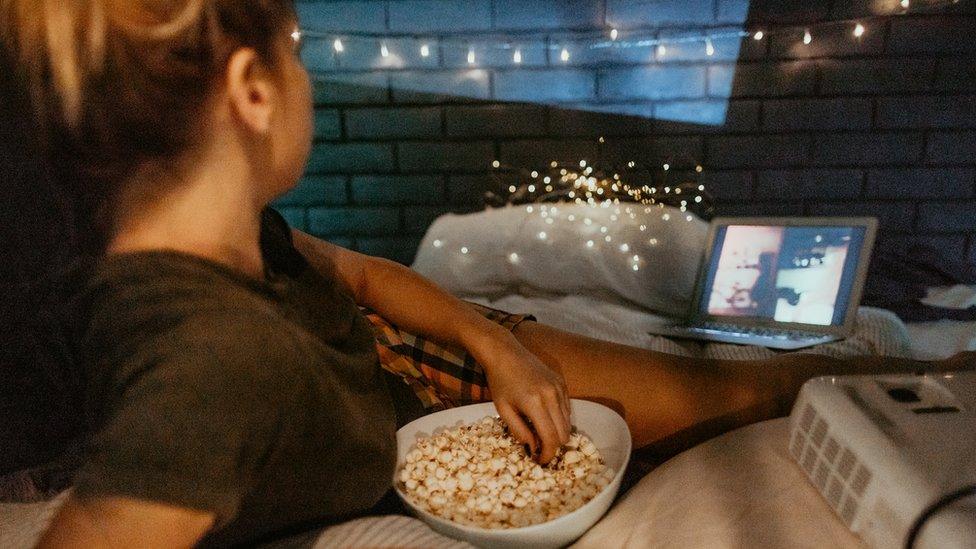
{"x":787,"y":274}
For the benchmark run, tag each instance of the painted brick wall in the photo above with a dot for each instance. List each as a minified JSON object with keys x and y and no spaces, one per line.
{"x":886,"y":127}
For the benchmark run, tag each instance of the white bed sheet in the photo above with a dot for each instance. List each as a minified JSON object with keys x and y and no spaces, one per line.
{"x":942,"y":339}
{"x":877,"y":331}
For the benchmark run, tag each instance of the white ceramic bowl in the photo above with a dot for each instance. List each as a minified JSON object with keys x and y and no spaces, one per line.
{"x":604,"y":427}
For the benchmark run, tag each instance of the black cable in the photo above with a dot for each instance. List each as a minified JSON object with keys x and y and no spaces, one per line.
{"x":934,"y":508}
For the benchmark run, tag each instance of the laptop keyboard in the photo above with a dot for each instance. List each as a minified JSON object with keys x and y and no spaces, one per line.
{"x":755,"y":331}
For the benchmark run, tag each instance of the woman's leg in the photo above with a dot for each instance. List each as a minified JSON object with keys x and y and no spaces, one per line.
{"x":661,"y":395}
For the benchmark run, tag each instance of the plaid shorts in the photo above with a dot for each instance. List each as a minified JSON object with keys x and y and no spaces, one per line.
{"x":441,"y":376}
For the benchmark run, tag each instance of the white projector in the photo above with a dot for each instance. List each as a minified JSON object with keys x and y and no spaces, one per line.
{"x":883,"y":449}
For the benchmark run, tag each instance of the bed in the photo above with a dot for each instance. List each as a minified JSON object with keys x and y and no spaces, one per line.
{"x":738,"y":490}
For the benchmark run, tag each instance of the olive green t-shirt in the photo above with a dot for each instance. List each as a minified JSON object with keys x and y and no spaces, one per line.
{"x":260,"y":401}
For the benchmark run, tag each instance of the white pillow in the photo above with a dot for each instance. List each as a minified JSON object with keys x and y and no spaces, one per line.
{"x":568,"y":249}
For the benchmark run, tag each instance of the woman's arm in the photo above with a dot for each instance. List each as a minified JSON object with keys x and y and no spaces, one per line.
{"x":124,"y":522}
{"x":521,"y":385}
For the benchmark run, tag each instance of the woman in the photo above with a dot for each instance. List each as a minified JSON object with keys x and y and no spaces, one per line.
{"x":231,"y":385}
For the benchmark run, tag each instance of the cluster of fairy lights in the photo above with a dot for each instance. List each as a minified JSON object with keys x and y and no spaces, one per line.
{"x":582,"y":187}
{"x":585,"y":186}
{"x":609,"y":39}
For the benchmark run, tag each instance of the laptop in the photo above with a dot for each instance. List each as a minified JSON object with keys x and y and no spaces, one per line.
{"x":782,"y":283}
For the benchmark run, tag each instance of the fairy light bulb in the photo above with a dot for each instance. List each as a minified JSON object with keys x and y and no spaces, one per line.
{"x":542,"y":235}
{"x":438,"y":243}
{"x":512,"y":188}
{"x":614,"y":34}
{"x":709,"y":47}
{"x":513,"y":258}
{"x":905,"y":4}
{"x":338,"y":46}
{"x":471,"y":58}
{"x":564,"y":55}
{"x":495,"y":163}
{"x":517,"y":56}
{"x":662,"y":50}
{"x":384,"y":51}
{"x":464,"y":249}
{"x":807,"y":37}
{"x":858,"y":30}
{"x":425,"y":50}
{"x":758,"y":36}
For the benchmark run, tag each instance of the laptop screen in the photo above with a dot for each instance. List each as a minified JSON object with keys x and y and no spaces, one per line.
{"x":798,"y":274}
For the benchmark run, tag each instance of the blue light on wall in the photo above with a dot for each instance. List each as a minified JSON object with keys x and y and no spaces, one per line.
{"x":663,"y":59}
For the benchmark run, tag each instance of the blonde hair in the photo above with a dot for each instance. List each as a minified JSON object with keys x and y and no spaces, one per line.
{"x":113,"y":84}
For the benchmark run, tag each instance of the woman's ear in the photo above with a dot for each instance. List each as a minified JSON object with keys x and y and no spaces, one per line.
{"x":250,"y":90}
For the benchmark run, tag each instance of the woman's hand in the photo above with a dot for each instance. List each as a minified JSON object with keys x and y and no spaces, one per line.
{"x":527,"y":391}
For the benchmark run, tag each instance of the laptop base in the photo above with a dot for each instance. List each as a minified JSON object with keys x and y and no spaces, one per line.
{"x":771,"y":338}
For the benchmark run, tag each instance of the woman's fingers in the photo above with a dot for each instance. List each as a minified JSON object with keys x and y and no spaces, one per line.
{"x":552,"y":402}
{"x":567,"y":407}
{"x":517,"y":426}
{"x":538,"y":413}
{"x":558,"y":411}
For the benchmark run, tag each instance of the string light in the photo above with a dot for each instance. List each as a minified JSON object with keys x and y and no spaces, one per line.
{"x":513,"y":258}
{"x":495,"y":164}
{"x":438,"y":243}
{"x":464,"y":249}
{"x":616,"y":41}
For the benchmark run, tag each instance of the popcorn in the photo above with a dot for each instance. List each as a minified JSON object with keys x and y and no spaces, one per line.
{"x":479,"y":475}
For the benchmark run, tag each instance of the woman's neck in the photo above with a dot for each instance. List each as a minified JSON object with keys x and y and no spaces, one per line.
{"x":211,"y":213}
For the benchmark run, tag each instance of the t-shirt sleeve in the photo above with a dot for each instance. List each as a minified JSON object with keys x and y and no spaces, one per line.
{"x":194,"y":414}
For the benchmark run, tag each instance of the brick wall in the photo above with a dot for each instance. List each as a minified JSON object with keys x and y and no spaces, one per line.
{"x":885,"y":126}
